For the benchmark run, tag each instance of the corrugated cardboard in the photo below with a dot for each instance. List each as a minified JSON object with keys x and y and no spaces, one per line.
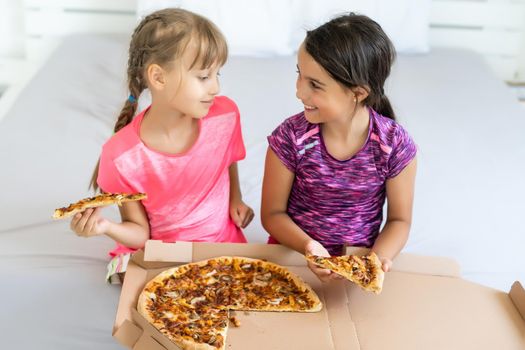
{"x":424,"y":305}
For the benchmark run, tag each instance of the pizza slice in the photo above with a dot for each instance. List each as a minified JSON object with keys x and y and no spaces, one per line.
{"x":365,"y":271}
{"x":101,"y":200}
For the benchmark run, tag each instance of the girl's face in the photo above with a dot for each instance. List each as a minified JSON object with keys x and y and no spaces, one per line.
{"x":191,"y":91}
{"x":324,"y":99}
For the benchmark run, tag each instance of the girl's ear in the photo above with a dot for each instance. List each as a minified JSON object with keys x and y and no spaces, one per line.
{"x":360,"y":93}
{"x":156,"y":76}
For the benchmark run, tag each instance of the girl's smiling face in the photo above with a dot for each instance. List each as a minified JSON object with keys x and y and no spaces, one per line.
{"x":324,"y":99}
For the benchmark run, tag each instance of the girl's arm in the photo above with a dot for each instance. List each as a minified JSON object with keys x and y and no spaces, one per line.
{"x":400,"y":197}
{"x":133,"y":231}
{"x":240,"y":213}
{"x":277,"y":184}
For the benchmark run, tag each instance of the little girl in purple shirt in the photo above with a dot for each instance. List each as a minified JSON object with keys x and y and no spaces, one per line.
{"x":330,"y":168}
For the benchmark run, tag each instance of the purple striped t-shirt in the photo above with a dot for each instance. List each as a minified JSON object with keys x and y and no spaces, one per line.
{"x":337,"y":202}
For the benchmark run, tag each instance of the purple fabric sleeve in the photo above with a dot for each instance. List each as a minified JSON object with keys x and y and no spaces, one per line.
{"x":282,"y":142}
{"x":403,"y":152}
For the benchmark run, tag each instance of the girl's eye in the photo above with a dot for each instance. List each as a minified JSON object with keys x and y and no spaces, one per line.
{"x":314,"y":85}
{"x":204,"y":77}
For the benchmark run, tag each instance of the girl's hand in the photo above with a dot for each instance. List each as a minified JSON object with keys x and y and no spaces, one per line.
{"x":89,"y":223}
{"x":241,"y":214}
{"x":315,"y":248}
{"x":386,"y":263}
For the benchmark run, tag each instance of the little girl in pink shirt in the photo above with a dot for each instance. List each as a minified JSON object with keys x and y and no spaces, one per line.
{"x":181,"y":150}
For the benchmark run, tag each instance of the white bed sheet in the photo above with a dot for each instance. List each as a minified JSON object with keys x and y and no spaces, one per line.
{"x":469,"y":191}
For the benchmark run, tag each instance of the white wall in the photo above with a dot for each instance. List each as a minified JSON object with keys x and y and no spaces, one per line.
{"x":11,"y":29}
{"x":494,"y":28}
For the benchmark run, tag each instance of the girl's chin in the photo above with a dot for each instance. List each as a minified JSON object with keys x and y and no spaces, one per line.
{"x":312,"y":116}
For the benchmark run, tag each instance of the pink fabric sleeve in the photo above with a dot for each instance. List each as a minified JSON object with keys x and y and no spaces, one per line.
{"x":109,"y":178}
{"x":237,"y":149}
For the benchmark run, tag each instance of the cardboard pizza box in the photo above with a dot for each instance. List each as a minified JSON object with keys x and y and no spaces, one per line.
{"x":424,"y":305}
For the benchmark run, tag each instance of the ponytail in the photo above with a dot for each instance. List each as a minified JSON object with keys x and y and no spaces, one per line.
{"x":383,"y":106}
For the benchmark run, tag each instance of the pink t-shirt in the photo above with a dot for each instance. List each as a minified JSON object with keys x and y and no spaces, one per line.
{"x":188,"y":193}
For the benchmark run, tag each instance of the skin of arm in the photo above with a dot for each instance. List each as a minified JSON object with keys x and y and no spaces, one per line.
{"x":240,"y":213}
{"x":277,"y":184}
{"x":400,"y":197}
{"x":132,"y":232}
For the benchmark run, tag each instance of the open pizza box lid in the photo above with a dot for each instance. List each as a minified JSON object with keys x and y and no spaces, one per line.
{"x":424,"y":305}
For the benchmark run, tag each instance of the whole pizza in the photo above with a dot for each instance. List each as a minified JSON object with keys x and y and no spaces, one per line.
{"x":190,"y":303}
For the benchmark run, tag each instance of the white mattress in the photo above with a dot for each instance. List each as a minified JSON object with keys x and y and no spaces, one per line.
{"x":469,"y":192}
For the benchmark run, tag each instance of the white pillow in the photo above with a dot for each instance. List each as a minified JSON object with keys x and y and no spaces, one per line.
{"x":406,"y":22}
{"x":277,"y":27}
{"x":252,"y":28}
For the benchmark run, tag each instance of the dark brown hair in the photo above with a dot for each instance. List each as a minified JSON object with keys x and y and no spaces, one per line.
{"x":355,"y":51}
{"x":161,"y":38}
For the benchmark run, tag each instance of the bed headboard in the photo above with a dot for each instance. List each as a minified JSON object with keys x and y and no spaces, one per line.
{"x":479,"y":25}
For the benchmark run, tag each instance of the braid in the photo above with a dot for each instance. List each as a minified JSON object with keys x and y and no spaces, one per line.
{"x":136,"y":86}
{"x":130,"y":106}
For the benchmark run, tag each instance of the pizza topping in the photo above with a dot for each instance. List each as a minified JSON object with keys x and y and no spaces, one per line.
{"x":198,"y":300}
{"x":275,"y":301}
{"x":235,"y":321}
{"x":226,"y":278}
{"x":172,"y":294}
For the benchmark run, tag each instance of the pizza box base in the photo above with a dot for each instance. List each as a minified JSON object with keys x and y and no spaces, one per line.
{"x":424,"y":305}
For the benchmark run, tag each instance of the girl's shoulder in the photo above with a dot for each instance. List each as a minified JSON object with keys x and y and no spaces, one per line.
{"x":222,"y":105}
{"x":124,"y":139}
{"x":387,"y":131}
{"x":296,"y":126}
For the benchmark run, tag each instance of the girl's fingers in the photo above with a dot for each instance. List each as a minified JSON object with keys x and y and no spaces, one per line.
{"x":88,"y":230}
{"x":236,"y":217}
{"x":336,"y":276}
{"x":85,"y":217}
{"x":74,"y":222}
{"x":248,"y":218}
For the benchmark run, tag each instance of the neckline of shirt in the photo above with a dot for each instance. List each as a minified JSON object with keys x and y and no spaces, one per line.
{"x":138,"y":121}
{"x":363,"y":146}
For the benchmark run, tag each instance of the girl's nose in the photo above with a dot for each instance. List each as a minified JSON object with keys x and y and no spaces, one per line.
{"x":215,"y":87}
{"x":299,"y":91}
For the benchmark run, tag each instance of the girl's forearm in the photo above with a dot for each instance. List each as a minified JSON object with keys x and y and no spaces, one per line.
{"x":128,"y":233}
{"x":283,"y":229}
{"x":235,"y":188}
{"x":392,"y":239}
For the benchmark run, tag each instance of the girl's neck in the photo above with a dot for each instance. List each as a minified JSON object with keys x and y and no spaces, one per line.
{"x":163,"y":119}
{"x":348,"y":128}
{"x":168,"y":131}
